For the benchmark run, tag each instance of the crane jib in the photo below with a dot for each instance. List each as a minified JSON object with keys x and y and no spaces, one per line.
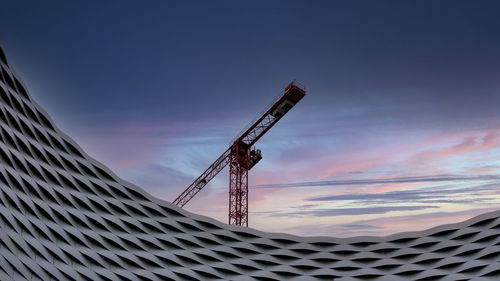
{"x":241,"y":158}
{"x":291,"y":97}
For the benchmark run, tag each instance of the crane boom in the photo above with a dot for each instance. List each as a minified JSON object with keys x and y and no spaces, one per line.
{"x":242,"y":158}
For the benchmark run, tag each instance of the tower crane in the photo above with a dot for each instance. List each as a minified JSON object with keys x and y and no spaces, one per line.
{"x":241,"y":157}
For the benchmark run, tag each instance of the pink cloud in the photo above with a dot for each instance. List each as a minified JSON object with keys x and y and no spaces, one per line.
{"x":390,"y":187}
{"x":431,"y":151}
{"x":125,"y":146}
{"x":121,"y":154}
{"x":469,"y":144}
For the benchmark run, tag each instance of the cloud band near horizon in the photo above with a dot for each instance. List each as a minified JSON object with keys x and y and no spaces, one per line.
{"x":415,"y":179}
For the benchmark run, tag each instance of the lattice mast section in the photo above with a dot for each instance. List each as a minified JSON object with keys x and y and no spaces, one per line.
{"x":242,"y":157}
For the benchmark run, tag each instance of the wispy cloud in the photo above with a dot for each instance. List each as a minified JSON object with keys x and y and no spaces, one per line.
{"x":350,"y":211}
{"x":362,"y":226}
{"x":417,"y":179}
{"x":385,"y":225}
{"x":414,"y":195}
{"x":470,"y":143}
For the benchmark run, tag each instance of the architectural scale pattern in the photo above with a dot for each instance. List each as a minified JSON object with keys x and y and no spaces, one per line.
{"x":65,"y":216}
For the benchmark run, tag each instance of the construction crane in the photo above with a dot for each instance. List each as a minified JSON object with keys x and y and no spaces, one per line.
{"x":241,"y":157}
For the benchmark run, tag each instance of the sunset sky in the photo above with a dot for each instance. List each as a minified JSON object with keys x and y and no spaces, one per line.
{"x":398,"y":131}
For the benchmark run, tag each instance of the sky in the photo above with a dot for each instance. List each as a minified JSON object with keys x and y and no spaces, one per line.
{"x":398,"y":130}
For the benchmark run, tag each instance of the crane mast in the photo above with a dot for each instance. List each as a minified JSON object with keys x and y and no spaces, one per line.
{"x":241,"y":158}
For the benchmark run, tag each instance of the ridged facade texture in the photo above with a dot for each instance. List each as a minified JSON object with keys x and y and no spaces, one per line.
{"x":64,"y":216}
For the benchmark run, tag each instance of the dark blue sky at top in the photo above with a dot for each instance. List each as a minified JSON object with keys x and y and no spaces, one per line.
{"x":134,"y":61}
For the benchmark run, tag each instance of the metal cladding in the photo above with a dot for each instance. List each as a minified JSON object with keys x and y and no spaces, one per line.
{"x":65,"y":216}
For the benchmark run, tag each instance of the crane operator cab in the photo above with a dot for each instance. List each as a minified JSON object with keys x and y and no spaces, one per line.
{"x":254,"y":157}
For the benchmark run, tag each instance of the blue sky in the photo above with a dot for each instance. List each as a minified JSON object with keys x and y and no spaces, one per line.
{"x":400,"y":123}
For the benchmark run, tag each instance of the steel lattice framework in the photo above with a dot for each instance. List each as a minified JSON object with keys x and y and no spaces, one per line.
{"x":242,"y":158}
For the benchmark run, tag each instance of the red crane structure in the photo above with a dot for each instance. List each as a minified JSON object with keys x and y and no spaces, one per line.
{"x":241,"y":157}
